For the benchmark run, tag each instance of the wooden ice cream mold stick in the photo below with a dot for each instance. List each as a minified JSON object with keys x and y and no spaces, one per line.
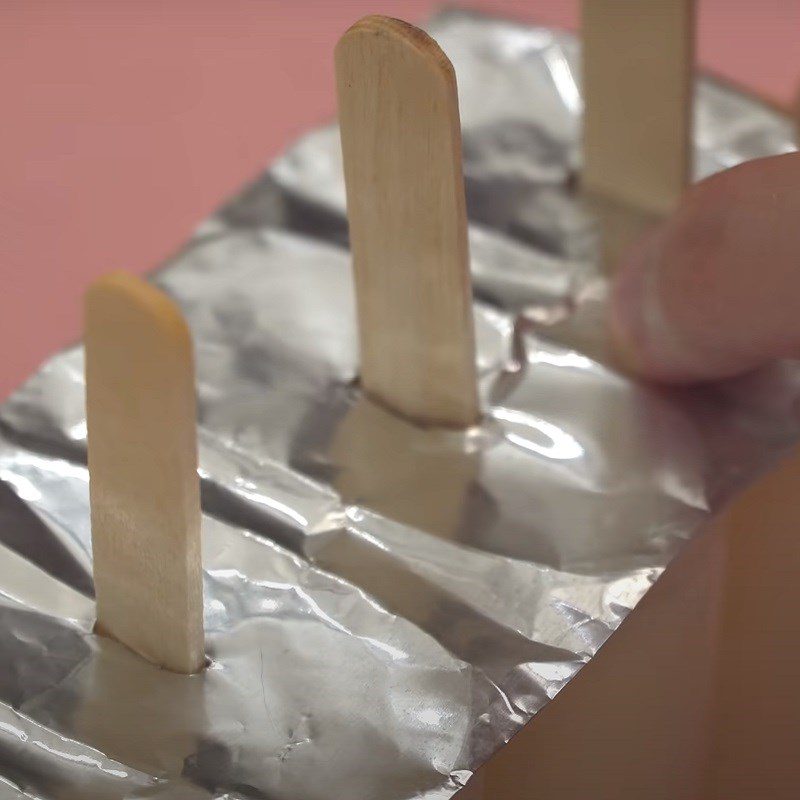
{"x":637,"y":88}
{"x":145,"y":501}
{"x":401,"y":143}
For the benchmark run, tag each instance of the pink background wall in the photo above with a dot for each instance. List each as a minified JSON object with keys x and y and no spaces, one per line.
{"x":125,"y":122}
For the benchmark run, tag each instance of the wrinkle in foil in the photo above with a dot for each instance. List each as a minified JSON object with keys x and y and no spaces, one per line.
{"x":384,"y":606}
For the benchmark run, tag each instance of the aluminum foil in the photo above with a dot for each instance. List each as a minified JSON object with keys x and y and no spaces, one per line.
{"x":384,"y":606}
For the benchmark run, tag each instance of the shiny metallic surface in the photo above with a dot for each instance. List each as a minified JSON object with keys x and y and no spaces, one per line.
{"x":384,"y":606}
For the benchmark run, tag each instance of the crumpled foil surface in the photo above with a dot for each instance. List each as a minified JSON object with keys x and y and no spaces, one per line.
{"x":384,"y":606}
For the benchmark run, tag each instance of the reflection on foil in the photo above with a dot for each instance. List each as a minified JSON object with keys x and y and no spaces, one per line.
{"x":551,"y":441}
{"x":384,"y":606}
{"x":564,"y":80}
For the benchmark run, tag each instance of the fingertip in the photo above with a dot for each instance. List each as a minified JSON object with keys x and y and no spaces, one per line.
{"x":644,"y":341}
{"x":630,"y":309}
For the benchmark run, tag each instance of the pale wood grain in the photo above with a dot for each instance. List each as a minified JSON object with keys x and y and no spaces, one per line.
{"x":401,"y":143}
{"x":618,"y":225}
{"x":757,"y":700}
{"x":637,"y":89}
{"x":145,"y":503}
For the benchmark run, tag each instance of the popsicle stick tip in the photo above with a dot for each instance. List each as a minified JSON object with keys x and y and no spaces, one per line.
{"x":120,"y":288}
{"x":400,"y":33}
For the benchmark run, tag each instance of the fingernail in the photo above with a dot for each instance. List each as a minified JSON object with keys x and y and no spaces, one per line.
{"x":644,"y":339}
{"x":629,"y":306}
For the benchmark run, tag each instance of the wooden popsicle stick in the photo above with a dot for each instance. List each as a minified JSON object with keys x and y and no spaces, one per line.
{"x":145,"y":498}
{"x":637,"y":88}
{"x":401,"y":143}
